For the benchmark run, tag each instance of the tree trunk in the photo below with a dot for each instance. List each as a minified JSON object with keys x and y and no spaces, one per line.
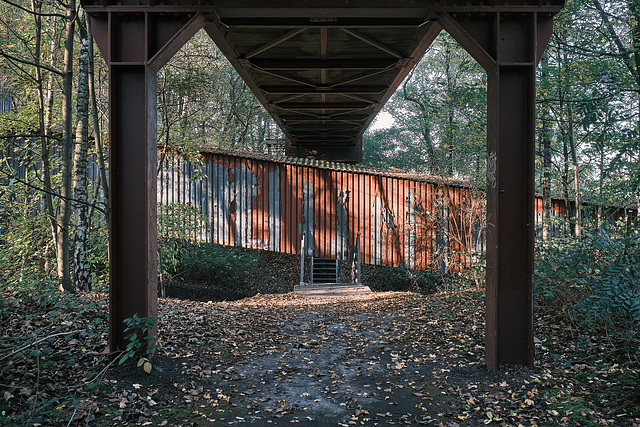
{"x":45,"y":103}
{"x":631,"y":55}
{"x":565,"y":183}
{"x":545,"y":152}
{"x":426,"y":128}
{"x":546,"y":174}
{"x":600,"y":182}
{"x":576,"y":181}
{"x":64,"y":216}
{"x":82,"y":265}
{"x":450,"y":111}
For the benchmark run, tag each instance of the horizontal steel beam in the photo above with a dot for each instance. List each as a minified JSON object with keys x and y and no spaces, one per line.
{"x":353,"y":117}
{"x":252,"y":23}
{"x":372,"y":11}
{"x":304,"y":132}
{"x":326,"y":126}
{"x":322,"y":139}
{"x":320,"y":64}
{"x":340,"y":106}
{"x":339,"y":90}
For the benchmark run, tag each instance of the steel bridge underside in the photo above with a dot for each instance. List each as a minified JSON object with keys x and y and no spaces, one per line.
{"x":323,"y":73}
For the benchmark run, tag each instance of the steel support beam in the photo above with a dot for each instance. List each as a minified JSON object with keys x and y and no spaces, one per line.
{"x":132,"y":197}
{"x":509,"y":47}
{"x":510,"y":225}
{"x":135,"y":46}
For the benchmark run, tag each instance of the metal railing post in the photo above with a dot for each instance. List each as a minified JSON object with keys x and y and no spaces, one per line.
{"x":358,"y":260}
{"x":302,"y":260}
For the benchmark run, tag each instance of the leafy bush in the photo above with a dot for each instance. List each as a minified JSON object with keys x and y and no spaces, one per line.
{"x":43,"y":333}
{"x":140,"y":343}
{"x":179,"y":227}
{"x":402,"y":279}
{"x":615,"y":293}
{"x":219,"y":265}
{"x":594,"y":280}
{"x":98,"y":247}
{"x":26,"y":250}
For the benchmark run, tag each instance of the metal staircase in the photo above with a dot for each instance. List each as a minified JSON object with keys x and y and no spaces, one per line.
{"x":324,"y":280}
{"x":324,"y":270}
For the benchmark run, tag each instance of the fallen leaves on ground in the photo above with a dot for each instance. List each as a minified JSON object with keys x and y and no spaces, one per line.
{"x":377,"y":359}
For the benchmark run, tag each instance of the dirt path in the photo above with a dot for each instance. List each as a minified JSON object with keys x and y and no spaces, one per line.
{"x":334,"y":369}
{"x":368,"y":359}
{"x":276,"y":360}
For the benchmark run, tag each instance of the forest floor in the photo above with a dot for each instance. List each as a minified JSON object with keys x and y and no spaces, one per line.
{"x":383,"y":358}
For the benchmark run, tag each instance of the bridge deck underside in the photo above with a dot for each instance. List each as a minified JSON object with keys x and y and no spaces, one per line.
{"x":323,"y":73}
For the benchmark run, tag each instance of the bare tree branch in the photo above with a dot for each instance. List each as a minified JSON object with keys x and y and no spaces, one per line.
{"x":25,"y":62}
{"x":56,"y":15}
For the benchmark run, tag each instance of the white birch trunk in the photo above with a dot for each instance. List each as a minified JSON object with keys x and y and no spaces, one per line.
{"x":82,"y":265}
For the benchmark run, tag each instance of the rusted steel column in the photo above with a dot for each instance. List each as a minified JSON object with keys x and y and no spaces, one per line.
{"x":132,"y":176}
{"x":508,"y":46}
{"x":510,"y":226}
{"x":135,"y":45}
{"x":132,"y":196}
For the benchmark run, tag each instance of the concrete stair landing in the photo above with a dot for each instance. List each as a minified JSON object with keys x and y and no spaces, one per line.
{"x":331,"y":290}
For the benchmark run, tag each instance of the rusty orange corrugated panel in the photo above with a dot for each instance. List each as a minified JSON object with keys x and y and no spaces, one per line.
{"x":270,"y":202}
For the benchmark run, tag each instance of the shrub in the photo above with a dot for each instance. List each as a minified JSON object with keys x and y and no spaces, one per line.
{"x":402,"y":279}
{"x":594,"y":280}
{"x":219,"y":265}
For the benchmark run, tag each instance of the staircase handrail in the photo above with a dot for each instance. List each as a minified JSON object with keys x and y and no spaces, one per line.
{"x":356,"y":265}
{"x":302,"y":260}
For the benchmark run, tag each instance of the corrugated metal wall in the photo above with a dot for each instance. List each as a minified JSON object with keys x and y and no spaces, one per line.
{"x":269,"y":204}
{"x":266,"y":202}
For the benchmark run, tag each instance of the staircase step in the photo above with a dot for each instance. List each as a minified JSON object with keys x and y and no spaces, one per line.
{"x":324,"y":270}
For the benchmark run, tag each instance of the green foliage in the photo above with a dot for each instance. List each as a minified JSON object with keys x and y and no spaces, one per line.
{"x":220,"y":265}
{"x":25,"y":248}
{"x":588,"y":89}
{"x":594,"y":280}
{"x":615,"y":295}
{"x":140,"y":342}
{"x":98,"y":248}
{"x":402,"y":279}
{"x":178,"y":227}
{"x":58,"y":332}
{"x":477,"y":271}
{"x":439,"y":118}
{"x":203,"y":101}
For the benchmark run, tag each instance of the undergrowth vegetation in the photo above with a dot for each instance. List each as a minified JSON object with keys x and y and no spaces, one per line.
{"x":50,"y":352}
{"x":402,"y":279}
{"x":593,"y":284}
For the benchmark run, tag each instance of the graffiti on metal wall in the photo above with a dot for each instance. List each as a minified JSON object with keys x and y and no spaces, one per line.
{"x":306,"y":227}
{"x":258,"y":202}
{"x":340,"y":243}
{"x":273,"y":217}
